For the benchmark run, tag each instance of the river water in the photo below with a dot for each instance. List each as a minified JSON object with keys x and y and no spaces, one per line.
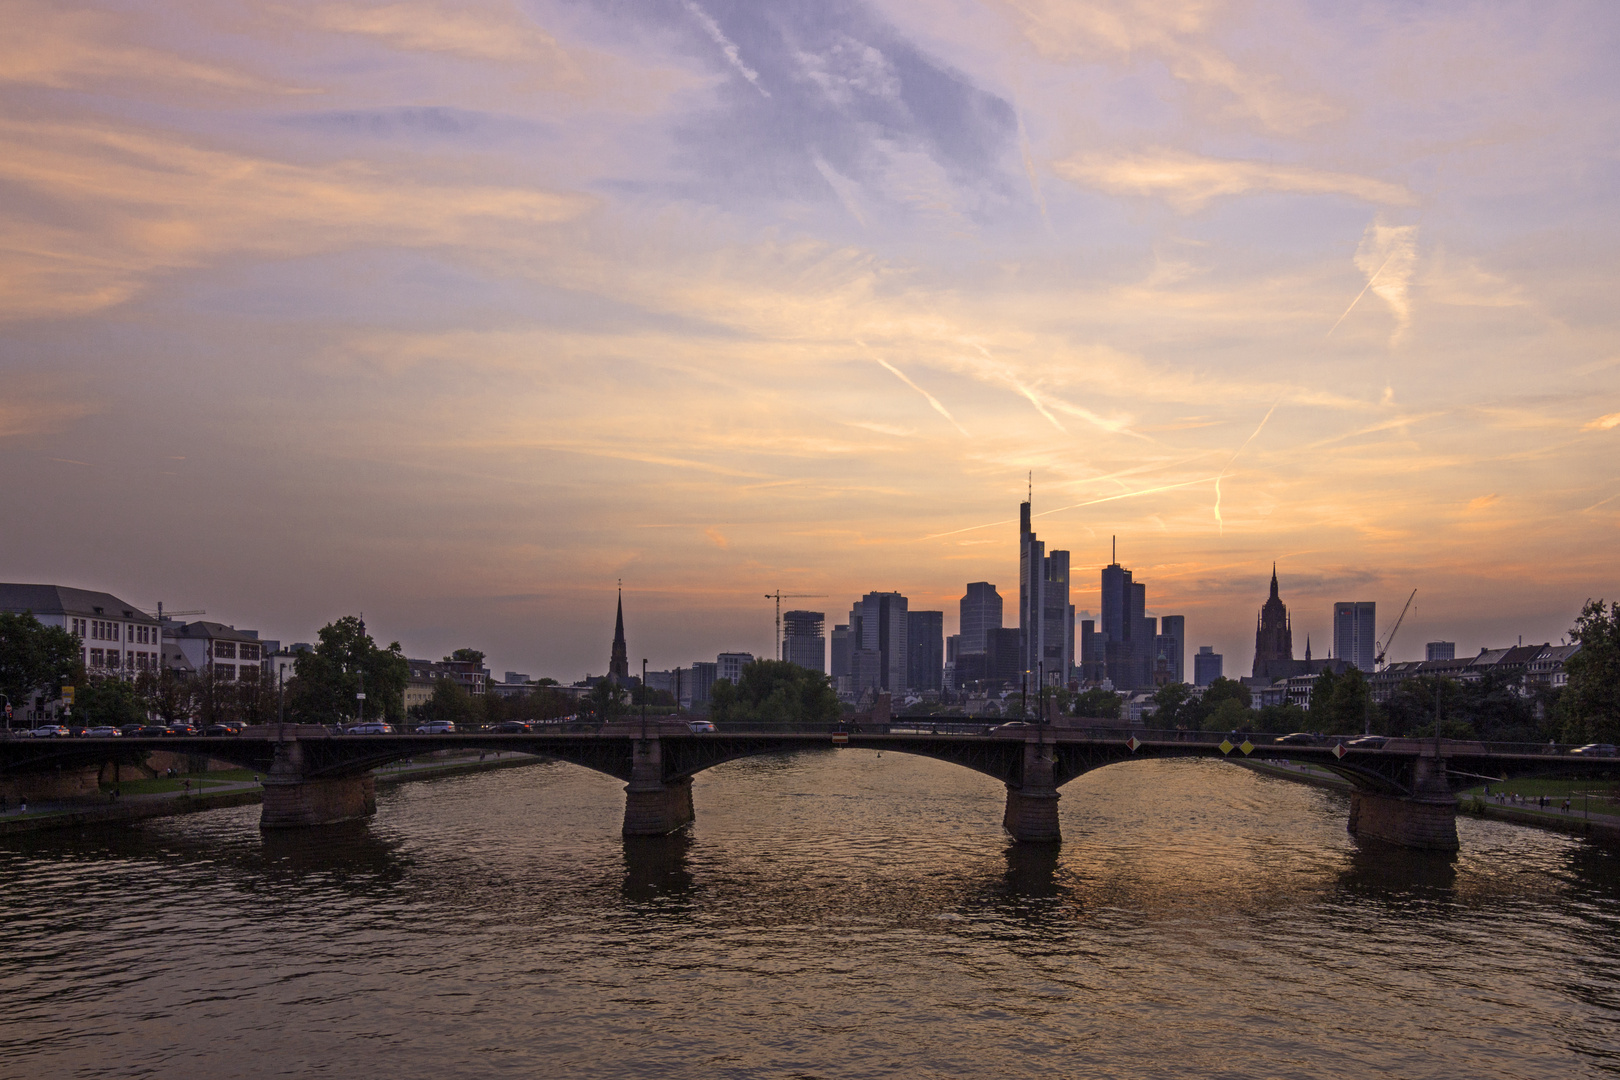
{"x":835,"y":914}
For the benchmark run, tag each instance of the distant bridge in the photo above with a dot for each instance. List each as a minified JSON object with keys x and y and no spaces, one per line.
{"x":1402,"y":792}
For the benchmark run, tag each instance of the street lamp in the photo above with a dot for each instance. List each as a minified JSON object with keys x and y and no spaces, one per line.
{"x":643,"y":697}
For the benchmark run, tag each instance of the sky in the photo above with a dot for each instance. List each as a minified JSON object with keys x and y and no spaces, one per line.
{"x":458,"y":314}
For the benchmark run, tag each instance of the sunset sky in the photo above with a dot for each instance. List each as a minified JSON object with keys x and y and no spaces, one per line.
{"x":457,"y":313}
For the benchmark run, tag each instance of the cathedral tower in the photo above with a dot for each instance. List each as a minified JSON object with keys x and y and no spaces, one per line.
{"x":619,"y":664}
{"x":1274,"y":637}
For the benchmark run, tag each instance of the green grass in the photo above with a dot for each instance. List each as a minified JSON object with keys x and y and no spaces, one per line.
{"x":1534,"y":786}
{"x":164,"y":784}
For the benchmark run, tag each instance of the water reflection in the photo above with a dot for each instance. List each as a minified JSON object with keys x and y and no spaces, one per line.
{"x":1385,"y":873}
{"x":1032,"y":870}
{"x":655,"y":867}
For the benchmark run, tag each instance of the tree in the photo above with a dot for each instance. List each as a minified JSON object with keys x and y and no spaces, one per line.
{"x":466,"y":656}
{"x":34,"y":657}
{"x":109,"y":702}
{"x":327,"y":678}
{"x":1591,"y":700}
{"x":1341,"y":704}
{"x":167,"y":695}
{"x":1098,"y":703}
{"x":1224,"y":706}
{"x":1174,"y":705}
{"x":606,"y":700}
{"x":450,"y":702}
{"x":775,"y":692}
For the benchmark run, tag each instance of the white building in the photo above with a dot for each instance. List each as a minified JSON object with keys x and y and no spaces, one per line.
{"x":232,"y":655}
{"x":116,"y":637}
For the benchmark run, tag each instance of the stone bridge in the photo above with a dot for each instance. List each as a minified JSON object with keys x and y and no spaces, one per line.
{"x":1403,"y":792}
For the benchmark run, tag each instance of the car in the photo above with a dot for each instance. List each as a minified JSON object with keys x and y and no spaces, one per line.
{"x":697,"y":727}
{"x":437,"y":727}
{"x":370,"y":727}
{"x":1012,"y":727}
{"x":77,"y":731}
{"x":222,"y":729}
{"x":103,"y":733}
{"x":1297,"y":738}
{"x":1596,"y":749}
{"x":152,"y":731}
{"x":513,"y":727}
{"x":50,"y":731}
{"x":1369,"y":742}
{"x":131,"y":729}
{"x":182,"y":729}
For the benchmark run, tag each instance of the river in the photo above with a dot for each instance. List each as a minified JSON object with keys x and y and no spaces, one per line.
{"x":834,"y":914}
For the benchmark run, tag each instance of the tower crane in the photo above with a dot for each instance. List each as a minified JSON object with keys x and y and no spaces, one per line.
{"x":779,"y":596}
{"x":162,"y":615}
{"x":1383,"y":650}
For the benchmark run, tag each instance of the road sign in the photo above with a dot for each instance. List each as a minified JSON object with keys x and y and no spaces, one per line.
{"x":840,"y":738}
{"x":1247,"y":748}
{"x":1133,"y":742}
{"x":1226,"y":746}
{"x":67,"y":694}
{"x":1338,"y":750}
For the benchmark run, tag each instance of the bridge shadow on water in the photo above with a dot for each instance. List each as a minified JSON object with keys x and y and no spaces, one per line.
{"x":656,"y":867}
{"x":1387,"y":873}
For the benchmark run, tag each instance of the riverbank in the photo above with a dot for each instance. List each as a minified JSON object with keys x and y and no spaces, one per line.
{"x":1576,"y":821}
{"x":218,"y":795}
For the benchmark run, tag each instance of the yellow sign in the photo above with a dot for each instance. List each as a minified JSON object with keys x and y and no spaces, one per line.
{"x":67,"y":694}
{"x":1225,"y":746}
{"x":1247,"y":748}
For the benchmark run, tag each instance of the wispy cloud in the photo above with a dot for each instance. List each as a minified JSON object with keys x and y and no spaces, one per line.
{"x":1387,"y":254}
{"x":1188,"y":181}
{"x":933,"y":401}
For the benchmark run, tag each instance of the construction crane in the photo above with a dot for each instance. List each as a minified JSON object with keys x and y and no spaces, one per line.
{"x":779,"y":596}
{"x":1383,"y":650}
{"x":162,"y":615}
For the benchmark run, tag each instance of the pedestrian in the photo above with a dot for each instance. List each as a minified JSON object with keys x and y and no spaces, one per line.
{"x":22,"y":804}
{"x":1566,"y":805}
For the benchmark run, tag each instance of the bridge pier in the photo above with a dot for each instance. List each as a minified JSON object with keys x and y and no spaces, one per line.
{"x":292,"y":800}
{"x":654,"y":806}
{"x":1426,"y":820}
{"x":1032,"y":815}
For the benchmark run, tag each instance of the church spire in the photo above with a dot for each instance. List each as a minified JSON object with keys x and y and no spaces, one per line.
{"x":1274,"y":581}
{"x":619,"y":662}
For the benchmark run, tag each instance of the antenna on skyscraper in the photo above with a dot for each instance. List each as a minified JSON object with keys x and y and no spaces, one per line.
{"x":1115,"y":556}
{"x":1031,"y":496}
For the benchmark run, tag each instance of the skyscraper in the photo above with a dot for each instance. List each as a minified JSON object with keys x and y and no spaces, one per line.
{"x":1274,"y":633}
{"x":1045,"y":616}
{"x":980,"y":611}
{"x":803,"y":640}
{"x":1206,"y":665}
{"x":1172,"y":645}
{"x":842,"y":645}
{"x":877,"y":624}
{"x":619,"y":659}
{"x":925,"y":638}
{"x":1353,"y":630}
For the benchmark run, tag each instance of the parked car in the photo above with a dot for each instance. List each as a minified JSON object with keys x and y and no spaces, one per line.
{"x":1012,"y":727}
{"x":152,"y":731}
{"x":513,"y":727}
{"x":1596,"y":749}
{"x":181,"y":729}
{"x":1369,"y":742}
{"x":697,"y":727}
{"x":437,"y":727}
{"x":370,"y":727}
{"x":1297,"y":738}
{"x":77,"y":731}
{"x":50,"y":731}
{"x":131,"y":729}
{"x":103,"y":733}
{"x":222,"y":729}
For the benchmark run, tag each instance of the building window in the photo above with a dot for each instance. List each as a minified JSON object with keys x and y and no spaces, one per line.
{"x":226,"y":649}
{"x":79,"y":628}
{"x":225,"y":671}
{"x":98,"y":658}
{"x":249,"y":652}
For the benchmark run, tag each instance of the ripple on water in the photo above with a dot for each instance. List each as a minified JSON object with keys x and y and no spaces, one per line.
{"x":845,"y":914}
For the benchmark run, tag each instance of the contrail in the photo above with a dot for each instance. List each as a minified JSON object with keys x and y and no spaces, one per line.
{"x":1220,"y":524}
{"x":932,"y":400}
{"x":1035,"y":401}
{"x":1360,"y":294}
{"x":1076,"y":506}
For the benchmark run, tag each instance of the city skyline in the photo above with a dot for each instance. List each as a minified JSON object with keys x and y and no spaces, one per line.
{"x":454,"y":316}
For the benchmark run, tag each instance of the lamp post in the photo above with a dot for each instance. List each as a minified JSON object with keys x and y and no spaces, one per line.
{"x":643,"y":697}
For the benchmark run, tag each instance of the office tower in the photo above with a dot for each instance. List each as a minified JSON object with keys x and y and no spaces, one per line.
{"x":877,"y":624}
{"x":865,"y":670}
{"x":1353,"y":629}
{"x":1206,"y":666}
{"x":1440,"y":650}
{"x":1091,"y":668}
{"x":953,"y":643}
{"x":730,"y":665}
{"x":1003,"y":657}
{"x":700,"y":683}
{"x":1274,"y":632}
{"x":1172,"y":645}
{"x":841,"y":647}
{"x":803,"y":641}
{"x":925,"y":639}
{"x":980,"y":611}
{"x":1045,"y":616}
